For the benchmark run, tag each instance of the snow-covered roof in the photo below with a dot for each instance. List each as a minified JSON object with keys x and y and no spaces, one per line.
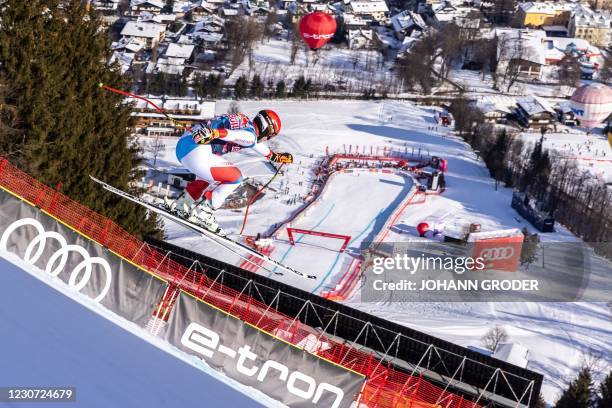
{"x":185,"y":39}
{"x":153,"y":3}
{"x":142,"y":29}
{"x":546,"y":7}
{"x":209,"y":37}
{"x":495,"y":103}
{"x":534,"y":105}
{"x":182,"y":6}
{"x":129,"y":44}
{"x":407,"y":19}
{"x":157,"y":18}
{"x":174,"y":66}
{"x":521,"y":44}
{"x":209,"y":23}
{"x":352,"y":19}
{"x":367,"y":33}
{"x":594,"y":19}
{"x":179,"y":51}
{"x":124,"y":59}
{"x":230,"y":11}
{"x":192,"y":108}
{"x":369,"y":7}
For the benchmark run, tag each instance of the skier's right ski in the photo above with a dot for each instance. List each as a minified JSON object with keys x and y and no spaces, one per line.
{"x":217,"y":239}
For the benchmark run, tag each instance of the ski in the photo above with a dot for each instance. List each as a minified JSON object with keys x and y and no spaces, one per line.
{"x":220,"y":240}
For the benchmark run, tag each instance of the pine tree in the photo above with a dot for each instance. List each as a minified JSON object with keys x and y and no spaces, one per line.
{"x":604,"y":399}
{"x":579,"y":393}
{"x":257,"y":86}
{"x":540,"y":403}
{"x":54,"y":57}
{"x":241,"y":87}
{"x":281,"y":89}
{"x":300,"y":87}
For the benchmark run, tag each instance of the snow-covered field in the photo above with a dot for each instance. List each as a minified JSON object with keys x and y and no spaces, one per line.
{"x":559,"y":335}
{"x":52,"y":336}
{"x":590,"y":151}
{"x":343,"y":68}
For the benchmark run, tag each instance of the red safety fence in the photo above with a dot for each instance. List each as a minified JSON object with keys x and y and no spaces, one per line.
{"x":385,"y":386}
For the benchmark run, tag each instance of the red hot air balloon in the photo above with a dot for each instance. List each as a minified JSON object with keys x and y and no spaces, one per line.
{"x":317,"y":29}
{"x":422,"y":228}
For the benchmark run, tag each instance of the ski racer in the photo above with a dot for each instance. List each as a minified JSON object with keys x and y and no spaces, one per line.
{"x":201,"y":151}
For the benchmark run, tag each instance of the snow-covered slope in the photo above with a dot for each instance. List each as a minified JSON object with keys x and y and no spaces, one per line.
{"x":52,"y":336}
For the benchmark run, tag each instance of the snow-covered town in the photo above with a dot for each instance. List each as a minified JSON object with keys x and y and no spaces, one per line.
{"x":269,"y":193}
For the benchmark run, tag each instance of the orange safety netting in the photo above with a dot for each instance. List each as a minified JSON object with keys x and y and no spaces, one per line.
{"x":385,"y":386}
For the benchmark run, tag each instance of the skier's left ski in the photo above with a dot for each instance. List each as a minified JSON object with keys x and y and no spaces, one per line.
{"x":217,"y":239}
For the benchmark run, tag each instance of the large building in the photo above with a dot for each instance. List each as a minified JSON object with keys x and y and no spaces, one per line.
{"x":149,"y":34}
{"x":538,"y":14}
{"x":375,"y":10}
{"x":187,"y":112}
{"x":593,"y":26}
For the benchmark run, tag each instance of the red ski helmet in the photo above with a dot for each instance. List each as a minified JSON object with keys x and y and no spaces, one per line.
{"x":268,"y":123}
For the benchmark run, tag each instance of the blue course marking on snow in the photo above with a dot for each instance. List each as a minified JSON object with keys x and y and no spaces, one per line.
{"x":300,"y":238}
{"x":363,"y":231}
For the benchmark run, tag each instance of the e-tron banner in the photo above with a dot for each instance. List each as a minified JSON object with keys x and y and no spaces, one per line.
{"x":83,"y":264}
{"x":254,"y":358}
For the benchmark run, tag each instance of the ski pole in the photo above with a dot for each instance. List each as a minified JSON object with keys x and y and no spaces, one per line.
{"x":142,"y":98}
{"x":246,"y":214}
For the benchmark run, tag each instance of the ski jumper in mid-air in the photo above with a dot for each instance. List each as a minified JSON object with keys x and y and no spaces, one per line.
{"x":201,"y":151}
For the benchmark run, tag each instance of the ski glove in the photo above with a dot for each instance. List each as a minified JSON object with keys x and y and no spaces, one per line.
{"x":205,"y":135}
{"x":285,"y":158}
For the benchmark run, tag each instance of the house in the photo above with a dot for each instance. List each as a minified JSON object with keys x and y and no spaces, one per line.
{"x":538,"y":14}
{"x":352,"y":21}
{"x":181,"y":7}
{"x":521,"y":52}
{"x":566,"y":115}
{"x":406,"y":22}
{"x":534,"y":112}
{"x":105,"y":5}
{"x":211,"y":24}
{"x":148,"y":33}
{"x":496,"y":108}
{"x":151,"y":6}
{"x":447,"y":12}
{"x":256,"y":8}
{"x":202,"y":9}
{"x":375,"y":10}
{"x":593,"y":26}
{"x":360,"y":38}
{"x":156,"y":18}
{"x":185,"y":111}
{"x":167,"y":66}
{"x":180,"y":53}
{"x":124,"y":59}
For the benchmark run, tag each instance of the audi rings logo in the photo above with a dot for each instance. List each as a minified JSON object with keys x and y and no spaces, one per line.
{"x":496,"y":254}
{"x":57,"y":262}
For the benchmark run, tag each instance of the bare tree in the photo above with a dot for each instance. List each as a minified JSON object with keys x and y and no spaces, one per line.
{"x":494,"y":337}
{"x":569,"y":72}
{"x":510,"y":56}
{"x":296,"y":42}
{"x":155,"y":148}
{"x":241,"y":34}
{"x":123,"y":6}
{"x":233,"y":108}
{"x":605,"y":74}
